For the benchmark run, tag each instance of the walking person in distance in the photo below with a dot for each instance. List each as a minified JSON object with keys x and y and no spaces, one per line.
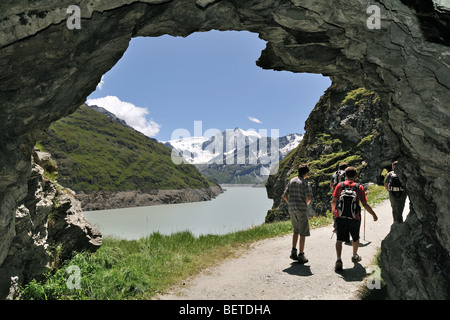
{"x":298,"y":194}
{"x":397,"y":194}
{"x":338,"y":176}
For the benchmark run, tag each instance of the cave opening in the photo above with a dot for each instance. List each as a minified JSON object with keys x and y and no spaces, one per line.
{"x":51,"y":81}
{"x":209,"y":80}
{"x":207,"y":76}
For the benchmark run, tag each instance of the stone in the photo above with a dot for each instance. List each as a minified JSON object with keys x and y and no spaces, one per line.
{"x":48,"y":71}
{"x":42,"y":158}
{"x":69,"y":228}
{"x":204,"y":3}
{"x":441,"y":5}
{"x":48,"y":216}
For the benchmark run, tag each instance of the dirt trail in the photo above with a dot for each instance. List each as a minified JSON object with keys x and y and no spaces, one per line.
{"x":266,"y":272}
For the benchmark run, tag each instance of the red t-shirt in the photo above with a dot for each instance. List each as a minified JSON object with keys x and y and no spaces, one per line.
{"x":360,"y":194}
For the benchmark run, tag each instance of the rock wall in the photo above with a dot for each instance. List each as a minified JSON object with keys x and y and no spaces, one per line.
{"x":48,"y":70}
{"x":48,"y":227}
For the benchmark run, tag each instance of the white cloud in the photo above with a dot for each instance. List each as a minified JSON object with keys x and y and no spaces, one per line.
{"x":134,"y":116}
{"x":253,"y":119}
{"x":101,"y":83}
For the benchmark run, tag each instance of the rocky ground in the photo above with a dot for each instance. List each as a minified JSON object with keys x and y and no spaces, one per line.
{"x":103,"y":200}
{"x":265,"y":271}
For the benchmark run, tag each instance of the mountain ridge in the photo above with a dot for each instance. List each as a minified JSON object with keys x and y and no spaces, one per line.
{"x":235,"y":156}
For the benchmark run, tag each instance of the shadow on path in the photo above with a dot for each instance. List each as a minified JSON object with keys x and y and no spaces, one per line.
{"x":357,"y":273}
{"x":361,"y":244}
{"x":298,"y":269}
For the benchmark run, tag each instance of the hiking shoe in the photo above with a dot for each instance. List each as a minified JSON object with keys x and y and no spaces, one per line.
{"x":338,"y":265}
{"x":302,"y":258}
{"x":356,"y":258}
{"x":294,"y":254}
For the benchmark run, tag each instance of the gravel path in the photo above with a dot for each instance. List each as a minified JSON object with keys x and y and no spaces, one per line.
{"x":265,"y":271}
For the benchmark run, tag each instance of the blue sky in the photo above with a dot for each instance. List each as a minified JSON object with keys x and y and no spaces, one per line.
{"x":166,"y":83}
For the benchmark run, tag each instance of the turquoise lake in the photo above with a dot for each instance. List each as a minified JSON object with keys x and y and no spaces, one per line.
{"x":238,"y":208}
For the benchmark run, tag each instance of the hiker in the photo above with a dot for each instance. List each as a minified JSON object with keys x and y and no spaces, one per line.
{"x":345,"y":206}
{"x":397,"y":194}
{"x":338,"y":176}
{"x":297,"y":195}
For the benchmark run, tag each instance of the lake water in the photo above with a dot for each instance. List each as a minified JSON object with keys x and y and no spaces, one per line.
{"x":238,"y":208}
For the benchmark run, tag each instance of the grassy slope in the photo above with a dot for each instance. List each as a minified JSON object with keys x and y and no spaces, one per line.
{"x":95,"y":153}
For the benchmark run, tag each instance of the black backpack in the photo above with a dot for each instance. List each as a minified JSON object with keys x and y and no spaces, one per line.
{"x":395,"y":186}
{"x":348,"y":202}
{"x":339,"y":176}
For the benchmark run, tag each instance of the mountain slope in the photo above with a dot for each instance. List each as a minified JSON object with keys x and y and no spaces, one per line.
{"x":94,"y":153}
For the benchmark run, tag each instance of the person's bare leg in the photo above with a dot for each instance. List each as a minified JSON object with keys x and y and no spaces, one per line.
{"x":294,"y":240}
{"x":338,"y":264}
{"x":338,"y":249}
{"x":355,"y":245}
{"x":302,"y":244}
{"x":356,"y":257}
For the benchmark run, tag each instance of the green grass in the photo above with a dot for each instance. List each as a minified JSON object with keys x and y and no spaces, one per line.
{"x":376,"y":194}
{"x":143,"y":268}
{"x":360,"y":95}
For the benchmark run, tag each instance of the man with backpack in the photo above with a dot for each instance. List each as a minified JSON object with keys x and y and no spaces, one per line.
{"x":345,"y":206}
{"x":297,"y":195}
{"x":397,"y":194}
{"x":338,"y":176}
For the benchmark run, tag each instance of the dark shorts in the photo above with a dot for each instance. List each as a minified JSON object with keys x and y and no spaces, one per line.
{"x":347,"y":227}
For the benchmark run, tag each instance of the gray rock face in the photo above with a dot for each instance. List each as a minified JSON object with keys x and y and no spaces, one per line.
{"x":48,"y":70}
{"x":48,"y":216}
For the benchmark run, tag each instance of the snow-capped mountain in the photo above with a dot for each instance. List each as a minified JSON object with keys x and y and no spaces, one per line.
{"x":191,"y":149}
{"x":234,"y":147}
{"x":289,"y":143}
{"x":235,"y":156}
